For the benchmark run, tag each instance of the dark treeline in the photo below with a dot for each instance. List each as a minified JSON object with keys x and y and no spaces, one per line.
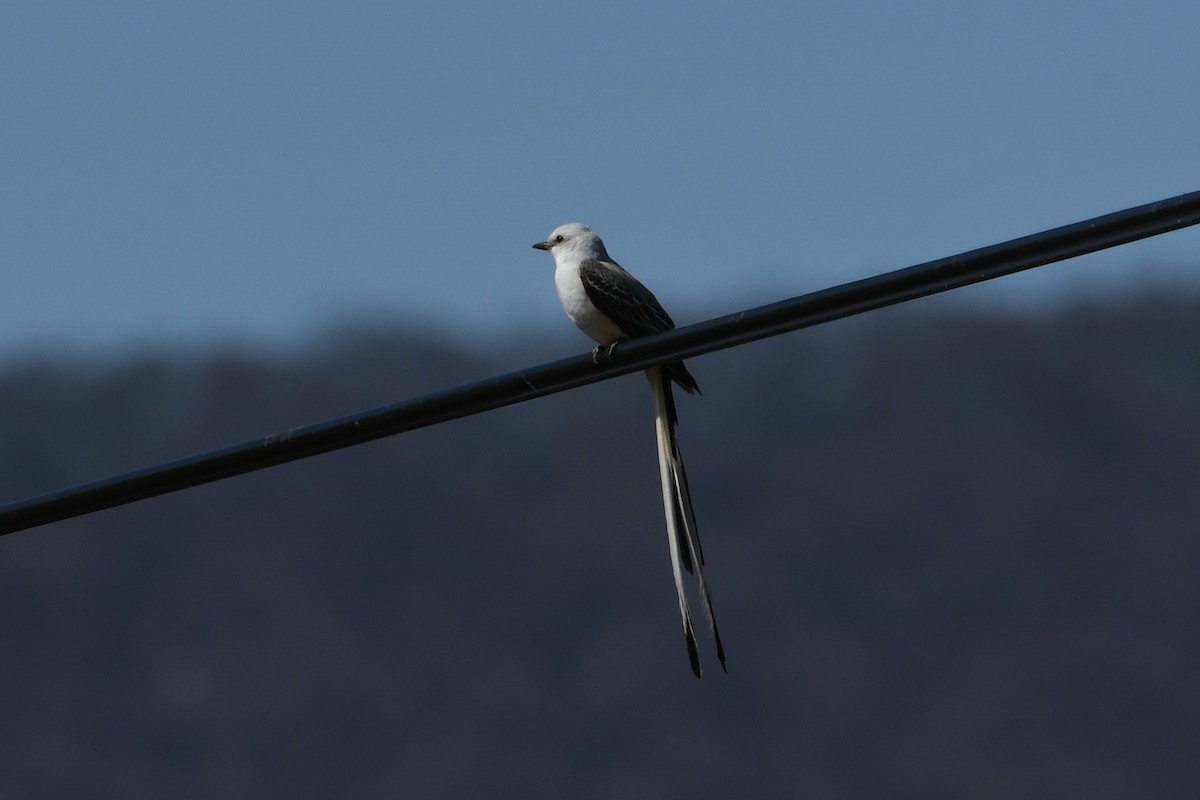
{"x":953,"y":555}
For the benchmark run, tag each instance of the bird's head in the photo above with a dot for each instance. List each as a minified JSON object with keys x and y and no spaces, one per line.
{"x":574,"y":240}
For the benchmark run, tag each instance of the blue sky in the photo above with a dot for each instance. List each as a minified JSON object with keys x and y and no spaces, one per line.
{"x":180,"y":173}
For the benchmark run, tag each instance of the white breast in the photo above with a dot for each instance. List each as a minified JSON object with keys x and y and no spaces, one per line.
{"x":579,"y":308}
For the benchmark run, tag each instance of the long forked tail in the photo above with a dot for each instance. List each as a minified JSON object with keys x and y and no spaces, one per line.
{"x":682,"y":538}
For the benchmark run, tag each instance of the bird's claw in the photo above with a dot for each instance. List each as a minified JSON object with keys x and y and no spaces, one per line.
{"x":606,"y":349}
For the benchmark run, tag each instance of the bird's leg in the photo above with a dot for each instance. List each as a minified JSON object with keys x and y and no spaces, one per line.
{"x":606,"y":349}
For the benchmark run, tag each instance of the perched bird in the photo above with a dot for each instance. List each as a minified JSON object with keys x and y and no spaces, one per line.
{"x":611,"y":306}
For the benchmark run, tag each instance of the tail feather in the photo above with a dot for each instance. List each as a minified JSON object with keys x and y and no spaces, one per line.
{"x":683,"y":539}
{"x":684,"y":498}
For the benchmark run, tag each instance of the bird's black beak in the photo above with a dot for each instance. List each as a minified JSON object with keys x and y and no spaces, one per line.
{"x":542,"y":246}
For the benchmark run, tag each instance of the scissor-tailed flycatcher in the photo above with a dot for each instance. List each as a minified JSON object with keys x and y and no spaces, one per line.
{"x":610,"y":305}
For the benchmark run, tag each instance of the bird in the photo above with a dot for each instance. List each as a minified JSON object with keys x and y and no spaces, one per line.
{"x":611,"y":306}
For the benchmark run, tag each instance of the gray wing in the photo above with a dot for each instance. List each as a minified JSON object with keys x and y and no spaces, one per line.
{"x":623,"y":299}
{"x":634,"y":308}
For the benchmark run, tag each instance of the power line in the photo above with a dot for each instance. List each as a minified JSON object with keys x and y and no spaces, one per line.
{"x":717,"y":334}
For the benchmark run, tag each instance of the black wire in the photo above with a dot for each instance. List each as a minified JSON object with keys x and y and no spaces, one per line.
{"x":705,"y":337}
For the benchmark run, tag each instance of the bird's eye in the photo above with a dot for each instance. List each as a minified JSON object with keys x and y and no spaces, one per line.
{"x":558,"y":239}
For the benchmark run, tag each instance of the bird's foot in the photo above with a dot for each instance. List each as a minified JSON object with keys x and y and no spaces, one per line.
{"x":606,"y":350}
